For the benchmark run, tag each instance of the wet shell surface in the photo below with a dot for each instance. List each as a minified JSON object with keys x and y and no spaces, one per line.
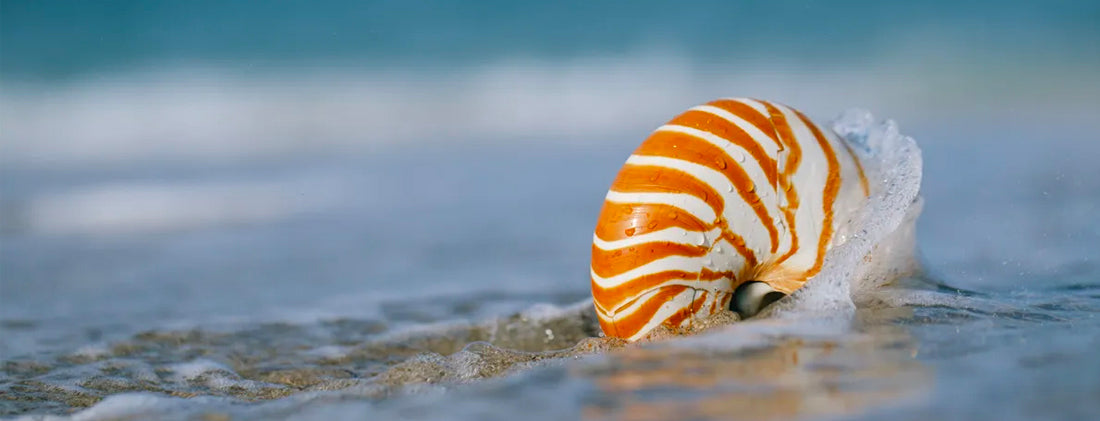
{"x":730,"y":205}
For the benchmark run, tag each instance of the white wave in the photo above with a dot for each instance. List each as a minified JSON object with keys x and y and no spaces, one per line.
{"x":134,"y":405}
{"x":195,"y":369}
{"x":149,"y":206}
{"x":200,"y":112}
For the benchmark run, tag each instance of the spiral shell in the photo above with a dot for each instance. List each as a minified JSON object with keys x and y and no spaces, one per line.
{"x":729,"y":192}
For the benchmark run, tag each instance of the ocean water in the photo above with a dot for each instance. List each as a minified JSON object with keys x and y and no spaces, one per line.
{"x":380,"y":210}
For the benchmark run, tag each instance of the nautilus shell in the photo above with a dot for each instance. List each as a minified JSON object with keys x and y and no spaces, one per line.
{"x":730,"y":205}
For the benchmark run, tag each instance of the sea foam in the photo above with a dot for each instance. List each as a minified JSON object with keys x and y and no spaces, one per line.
{"x":881,"y":247}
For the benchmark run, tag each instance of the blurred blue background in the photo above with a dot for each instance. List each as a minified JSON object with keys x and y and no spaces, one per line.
{"x":125,"y":81}
{"x":179,"y":162}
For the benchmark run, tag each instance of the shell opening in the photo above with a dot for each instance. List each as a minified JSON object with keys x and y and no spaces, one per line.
{"x":753,"y":296}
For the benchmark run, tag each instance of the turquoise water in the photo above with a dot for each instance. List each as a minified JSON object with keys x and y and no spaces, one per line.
{"x":307,"y":211}
{"x":46,"y":40}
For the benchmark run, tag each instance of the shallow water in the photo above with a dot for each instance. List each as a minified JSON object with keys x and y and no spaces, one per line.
{"x":451,"y":284}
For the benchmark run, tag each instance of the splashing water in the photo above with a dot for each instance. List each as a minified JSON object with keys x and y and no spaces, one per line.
{"x":879,"y":242}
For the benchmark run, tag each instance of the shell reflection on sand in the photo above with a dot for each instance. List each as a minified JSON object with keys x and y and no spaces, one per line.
{"x":792,"y":378}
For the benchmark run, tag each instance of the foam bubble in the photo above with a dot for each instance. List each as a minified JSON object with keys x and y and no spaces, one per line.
{"x":195,"y":369}
{"x":329,"y":352}
{"x":93,"y":351}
